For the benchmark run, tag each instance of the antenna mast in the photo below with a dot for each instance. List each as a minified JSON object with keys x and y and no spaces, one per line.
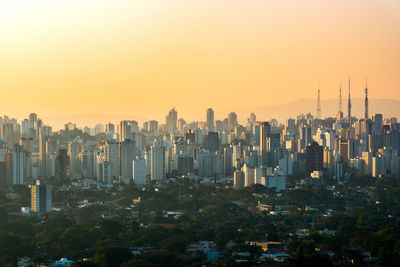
{"x":366,"y":100}
{"x":340,"y":98}
{"x":319,"y":106}
{"x":349,"y":106}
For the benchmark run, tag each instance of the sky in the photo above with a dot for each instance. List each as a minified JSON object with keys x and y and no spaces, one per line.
{"x":141,"y":58}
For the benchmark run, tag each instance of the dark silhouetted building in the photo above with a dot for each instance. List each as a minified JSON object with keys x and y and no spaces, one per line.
{"x":265,"y":130}
{"x":212,"y":141}
{"x":314,"y":157}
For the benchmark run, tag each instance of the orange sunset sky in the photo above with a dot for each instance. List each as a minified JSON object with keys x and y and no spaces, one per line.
{"x":143,"y":57}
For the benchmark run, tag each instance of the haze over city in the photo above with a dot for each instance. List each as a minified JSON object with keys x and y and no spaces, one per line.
{"x":199,"y":133}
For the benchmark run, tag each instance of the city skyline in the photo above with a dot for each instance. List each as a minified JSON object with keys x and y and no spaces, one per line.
{"x":199,"y":133}
{"x":386,"y":107}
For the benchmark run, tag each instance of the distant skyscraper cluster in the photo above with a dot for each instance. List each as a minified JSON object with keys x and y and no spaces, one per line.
{"x":258,"y":152}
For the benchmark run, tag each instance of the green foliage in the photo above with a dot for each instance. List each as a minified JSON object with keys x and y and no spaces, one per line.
{"x":175,"y":243}
{"x":112,"y":256}
{"x":110,"y":228}
{"x":311,"y":260}
{"x":106,"y":230}
{"x":155,"y":258}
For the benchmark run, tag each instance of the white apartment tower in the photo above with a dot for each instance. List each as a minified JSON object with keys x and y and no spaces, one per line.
{"x":111,"y":151}
{"x":157,"y":161}
{"x":139,"y":171}
{"x":127,"y":154}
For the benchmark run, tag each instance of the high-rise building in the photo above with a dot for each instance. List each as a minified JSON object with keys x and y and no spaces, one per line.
{"x":150,"y":126}
{"x":41,"y":197}
{"x":258,"y":173}
{"x":256,"y":134}
{"x":212,"y":141}
{"x":314,"y":157}
{"x":219,"y":126}
{"x":157,"y":161}
{"x":107,"y":170}
{"x":6,"y":159}
{"x":125,"y":130}
{"x":111,"y":151}
{"x":305,"y":135}
{"x":232,"y":120}
{"x":185,"y":164}
{"x":70,"y":126}
{"x":126,"y":155}
{"x":377,"y":122}
{"x":25,"y":125}
{"x":62,"y":163}
{"x":265,"y":130}
{"x":139,"y":171}
{"x":228,"y":160}
{"x":276,"y":182}
{"x":377,"y":166}
{"x":347,"y":150}
{"x":110,"y":128}
{"x":367,"y":162}
{"x":238,"y":179}
{"x":252,"y":119}
{"x":205,"y":164}
{"x":181,"y":125}
{"x":32,"y":120}
{"x":171,"y":121}
{"x":134,"y":127}
{"x":328,"y":158}
{"x":18,"y":164}
{"x":290,"y":126}
{"x":248,"y":175}
{"x":210,"y":120}
{"x":285,"y":165}
{"x":273,"y":141}
{"x":86,"y":162}
{"x":38,"y":131}
{"x":190,"y":136}
{"x":74,"y":148}
{"x":153,"y":125}
{"x":98,"y":129}
{"x":43,"y":155}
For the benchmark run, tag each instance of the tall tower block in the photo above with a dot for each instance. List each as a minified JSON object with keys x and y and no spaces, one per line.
{"x":349,"y":106}
{"x":319,"y":105}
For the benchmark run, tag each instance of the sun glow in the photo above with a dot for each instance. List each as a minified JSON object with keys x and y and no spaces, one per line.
{"x":142,"y":57}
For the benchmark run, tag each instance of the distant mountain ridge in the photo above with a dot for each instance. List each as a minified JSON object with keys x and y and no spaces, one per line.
{"x":388,"y":107}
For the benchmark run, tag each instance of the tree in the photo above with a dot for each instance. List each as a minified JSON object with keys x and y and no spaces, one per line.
{"x":3,"y":215}
{"x":175,"y":243}
{"x":111,"y":228}
{"x":112,"y":256}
